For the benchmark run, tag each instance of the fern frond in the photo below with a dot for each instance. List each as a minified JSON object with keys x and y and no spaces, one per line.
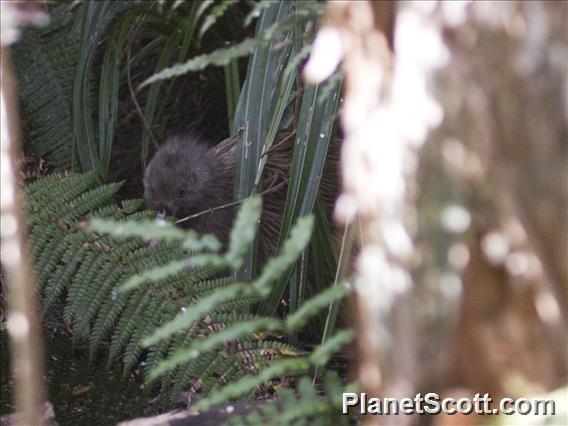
{"x":133,"y":313}
{"x":217,"y":11}
{"x":200,"y":337}
{"x":78,"y":289}
{"x":224,"y":55}
{"x":243,"y":231}
{"x":314,"y":305}
{"x":293,"y":247}
{"x":220,"y":372}
{"x":46,"y":62}
{"x":88,"y":306}
{"x":202,"y":307}
{"x":75,"y":252}
{"x":155,"y":230}
{"x":190,"y":376}
{"x":88,"y":201}
{"x":323,"y":352}
{"x":57,"y":186}
{"x":307,"y":405}
{"x":147,"y":324}
{"x":246,"y":384}
{"x":213,"y":341}
{"x":107,"y":318}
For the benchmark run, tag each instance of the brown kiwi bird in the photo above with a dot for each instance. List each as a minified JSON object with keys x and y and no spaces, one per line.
{"x":193,"y":181}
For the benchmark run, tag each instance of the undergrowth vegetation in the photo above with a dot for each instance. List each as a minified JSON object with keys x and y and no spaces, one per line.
{"x":151,"y":285}
{"x":98,"y":92}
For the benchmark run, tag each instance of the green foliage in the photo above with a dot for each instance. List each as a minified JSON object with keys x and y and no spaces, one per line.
{"x":73,"y":75}
{"x":295,"y":366}
{"x":191,"y":313}
{"x":108,"y":100}
{"x":72,"y":116}
{"x":45,"y":61}
{"x":265,"y":99}
{"x":55,"y":68}
{"x":256,"y":105}
{"x":224,"y":55}
{"x":314,"y":305}
{"x":259,"y":288}
{"x":307,"y":405}
{"x":244,"y":231}
{"x":310,"y":153}
{"x":249,"y":383}
{"x":321,"y":354}
{"x":94,"y":150}
{"x":139,"y":288}
{"x":276,"y":50}
{"x":187,"y":360}
{"x":214,"y":14}
{"x":176,"y":44}
{"x":86,"y":271}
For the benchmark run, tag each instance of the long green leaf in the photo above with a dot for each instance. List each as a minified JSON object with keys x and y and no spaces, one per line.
{"x":232,"y":88}
{"x":310,"y":152}
{"x":221,"y":56}
{"x":92,"y":20}
{"x":256,"y":108}
{"x":323,"y":245}
{"x":108,"y":90}
{"x":286,"y":84}
{"x":340,"y":276}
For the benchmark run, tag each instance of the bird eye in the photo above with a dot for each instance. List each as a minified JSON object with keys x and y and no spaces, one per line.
{"x":181,"y":192}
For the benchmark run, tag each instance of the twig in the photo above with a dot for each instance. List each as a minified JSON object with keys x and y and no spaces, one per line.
{"x":23,"y":323}
{"x":234,"y":203}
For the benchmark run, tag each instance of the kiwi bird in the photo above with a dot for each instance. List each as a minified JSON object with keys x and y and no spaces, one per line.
{"x":189,"y":179}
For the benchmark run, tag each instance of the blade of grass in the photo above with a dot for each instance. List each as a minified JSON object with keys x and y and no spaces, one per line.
{"x":91,"y":22}
{"x":323,"y":259}
{"x":340,"y":276}
{"x":108,"y":90}
{"x":288,"y":79}
{"x":308,"y":160}
{"x":232,"y":87}
{"x":254,"y":111}
{"x":323,"y":246}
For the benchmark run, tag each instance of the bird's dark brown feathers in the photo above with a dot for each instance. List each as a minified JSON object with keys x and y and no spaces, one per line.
{"x":186,"y":176}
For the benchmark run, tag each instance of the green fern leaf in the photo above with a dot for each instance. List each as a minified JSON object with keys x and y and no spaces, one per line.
{"x":248,"y":383}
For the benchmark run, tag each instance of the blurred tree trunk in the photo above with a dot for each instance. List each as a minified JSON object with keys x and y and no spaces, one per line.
{"x":508,"y":63}
{"x":511,"y":70}
{"x":23,"y":319}
{"x":502,"y":145}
